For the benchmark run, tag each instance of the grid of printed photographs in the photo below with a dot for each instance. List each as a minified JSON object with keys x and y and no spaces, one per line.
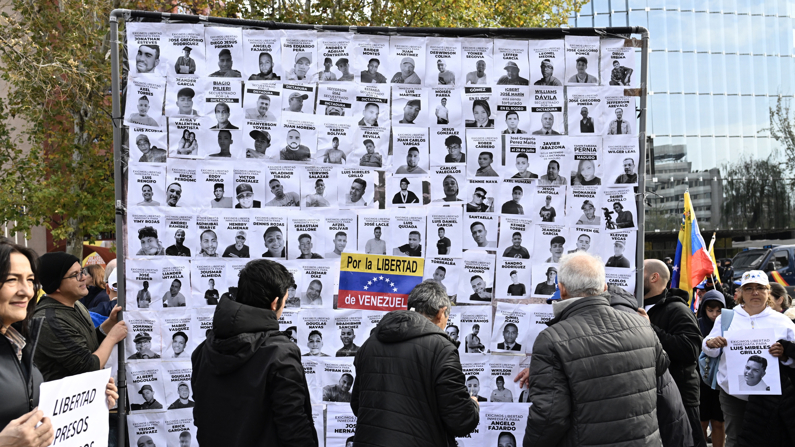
{"x":489,"y":158}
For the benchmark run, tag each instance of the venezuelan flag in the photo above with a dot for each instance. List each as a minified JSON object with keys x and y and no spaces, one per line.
{"x":376,"y":282}
{"x":692,"y":262}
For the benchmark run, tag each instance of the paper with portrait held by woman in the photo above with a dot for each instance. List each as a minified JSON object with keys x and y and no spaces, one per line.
{"x":750,"y":369}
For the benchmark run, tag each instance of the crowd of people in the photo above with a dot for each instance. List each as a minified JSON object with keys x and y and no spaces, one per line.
{"x":604,"y":372}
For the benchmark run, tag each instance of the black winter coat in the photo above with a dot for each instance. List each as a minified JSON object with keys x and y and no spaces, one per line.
{"x":677,"y":328}
{"x":19,"y":381}
{"x":409,"y":389}
{"x":675,"y":429}
{"x":593,"y":379}
{"x":248,"y":383}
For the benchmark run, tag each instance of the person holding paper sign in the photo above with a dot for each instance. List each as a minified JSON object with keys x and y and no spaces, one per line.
{"x":185,"y":64}
{"x":246,"y":355}
{"x":754,"y":311}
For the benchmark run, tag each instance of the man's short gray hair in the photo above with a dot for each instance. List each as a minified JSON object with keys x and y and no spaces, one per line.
{"x":428,"y":298}
{"x":582,"y":274}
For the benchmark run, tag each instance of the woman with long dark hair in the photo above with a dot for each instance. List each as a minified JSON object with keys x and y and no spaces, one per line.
{"x":19,"y":377}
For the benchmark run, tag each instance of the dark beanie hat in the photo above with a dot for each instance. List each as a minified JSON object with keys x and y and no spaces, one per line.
{"x":52,"y":268}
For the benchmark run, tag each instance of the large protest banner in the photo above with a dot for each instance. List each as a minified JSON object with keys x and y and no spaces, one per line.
{"x":78,"y":409}
{"x":374,"y":282}
{"x":341,"y":153}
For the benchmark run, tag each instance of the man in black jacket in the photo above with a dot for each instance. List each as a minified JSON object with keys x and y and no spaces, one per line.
{"x":593,"y":378}
{"x":677,"y":328}
{"x":409,"y":388}
{"x":247,"y":374}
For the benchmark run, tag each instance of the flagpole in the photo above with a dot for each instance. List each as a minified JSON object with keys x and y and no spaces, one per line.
{"x":640,"y":193}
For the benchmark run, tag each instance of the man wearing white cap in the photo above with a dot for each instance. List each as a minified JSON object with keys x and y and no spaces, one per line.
{"x":245,"y":197}
{"x":300,"y":71}
{"x":239,"y":249}
{"x":406,"y":74}
{"x":512,"y":76}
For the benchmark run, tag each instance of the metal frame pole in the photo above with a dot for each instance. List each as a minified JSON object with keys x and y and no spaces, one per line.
{"x":640,"y":196}
{"x":118,"y":174}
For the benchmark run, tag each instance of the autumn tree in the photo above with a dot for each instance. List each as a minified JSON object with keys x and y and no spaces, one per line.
{"x":756,"y":194}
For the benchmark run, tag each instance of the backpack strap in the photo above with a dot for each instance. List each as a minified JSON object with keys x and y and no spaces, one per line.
{"x":726,"y":317}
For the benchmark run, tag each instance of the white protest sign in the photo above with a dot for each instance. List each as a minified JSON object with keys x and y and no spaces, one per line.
{"x":750,"y":367}
{"x":77,"y":408}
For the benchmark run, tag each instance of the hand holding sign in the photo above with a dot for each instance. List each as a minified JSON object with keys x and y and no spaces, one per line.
{"x":77,"y":408}
{"x":22,"y":432}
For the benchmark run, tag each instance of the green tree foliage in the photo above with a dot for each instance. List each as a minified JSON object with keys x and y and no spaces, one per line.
{"x":55,"y":57}
{"x":756,"y":194}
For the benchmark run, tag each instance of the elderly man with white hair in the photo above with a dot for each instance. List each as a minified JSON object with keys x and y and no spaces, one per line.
{"x":593,"y":378}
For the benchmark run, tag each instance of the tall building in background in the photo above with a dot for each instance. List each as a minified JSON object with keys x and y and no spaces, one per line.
{"x":715,"y":70}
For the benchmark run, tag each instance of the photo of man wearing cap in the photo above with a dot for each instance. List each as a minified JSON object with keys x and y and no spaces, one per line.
{"x":546,"y":74}
{"x":262,"y":141}
{"x":295,"y":151}
{"x":618,"y":259}
{"x":547,"y":212}
{"x":556,"y":248}
{"x":582,"y":77}
{"x":183,"y":401}
{"x":260,"y":112}
{"x":404,"y":195}
{"x":245,"y":197}
{"x":406,"y":74}
{"x":549,"y":286}
{"x":185,"y":64}
{"x":151,"y":154}
{"x":150,"y":403}
{"x":410,"y":111}
{"x":185,"y":102}
{"x":511,"y":76}
{"x":239,"y":249}
{"x":143,"y":350}
{"x":219,"y":201}
{"x":295,"y":102}
{"x":300,"y":70}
